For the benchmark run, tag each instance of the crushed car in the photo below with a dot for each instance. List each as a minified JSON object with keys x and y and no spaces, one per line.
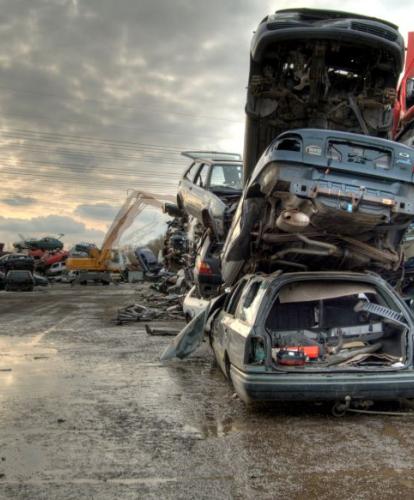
{"x":19,"y":281}
{"x":147,"y":260}
{"x":320,"y":69}
{"x":308,"y":336}
{"x":16,"y":261}
{"x":323,"y":199}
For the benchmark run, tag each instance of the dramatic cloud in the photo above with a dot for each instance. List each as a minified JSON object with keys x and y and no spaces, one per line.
{"x":98,"y":97}
{"x":101,"y":211}
{"x":72,"y":230}
{"x":19,"y":201}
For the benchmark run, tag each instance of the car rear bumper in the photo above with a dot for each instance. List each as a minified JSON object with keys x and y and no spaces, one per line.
{"x":322,"y":387}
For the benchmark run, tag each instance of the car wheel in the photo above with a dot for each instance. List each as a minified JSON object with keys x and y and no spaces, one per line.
{"x":180,"y":202}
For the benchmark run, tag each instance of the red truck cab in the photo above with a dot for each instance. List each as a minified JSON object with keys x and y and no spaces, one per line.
{"x":404,"y":110}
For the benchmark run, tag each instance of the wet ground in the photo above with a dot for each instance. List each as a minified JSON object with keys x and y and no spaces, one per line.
{"x":88,"y":411}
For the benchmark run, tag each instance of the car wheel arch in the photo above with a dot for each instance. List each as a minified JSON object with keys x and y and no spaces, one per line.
{"x":227,"y":365}
{"x":180,"y":203}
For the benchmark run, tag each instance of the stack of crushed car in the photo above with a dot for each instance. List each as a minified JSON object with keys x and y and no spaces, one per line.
{"x":301,"y":310}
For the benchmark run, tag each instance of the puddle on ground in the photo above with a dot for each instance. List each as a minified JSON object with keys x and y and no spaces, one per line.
{"x":14,"y":350}
{"x":213,"y":428}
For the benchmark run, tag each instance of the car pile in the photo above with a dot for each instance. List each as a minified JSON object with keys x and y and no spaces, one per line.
{"x":17,"y":273}
{"x":301,"y":309}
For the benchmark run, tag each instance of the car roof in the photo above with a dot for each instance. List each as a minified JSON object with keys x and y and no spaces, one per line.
{"x":306,"y":275}
{"x":212,"y":155}
{"x":218,"y":162}
{"x":15,"y":255}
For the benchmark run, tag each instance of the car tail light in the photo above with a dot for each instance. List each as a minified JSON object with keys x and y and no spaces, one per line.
{"x":257,"y":352}
{"x":204,"y":268}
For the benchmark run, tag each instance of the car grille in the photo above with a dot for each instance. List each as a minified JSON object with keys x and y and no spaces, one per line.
{"x":375,"y":30}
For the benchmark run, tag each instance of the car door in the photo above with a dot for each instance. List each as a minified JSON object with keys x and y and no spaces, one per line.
{"x":185,"y":186}
{"x":191,"y":336}
{"x":220,"y":333}
{"x":196,"y":196}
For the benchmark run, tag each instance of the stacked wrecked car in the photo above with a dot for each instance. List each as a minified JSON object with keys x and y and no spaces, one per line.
{"x":322,"y":199}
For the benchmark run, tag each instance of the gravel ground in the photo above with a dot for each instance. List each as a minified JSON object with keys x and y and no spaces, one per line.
{"x":88,"y":411}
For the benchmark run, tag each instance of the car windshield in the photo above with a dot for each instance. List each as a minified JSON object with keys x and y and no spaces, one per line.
{"x":20,"y":274}
{"x":226,"y":176}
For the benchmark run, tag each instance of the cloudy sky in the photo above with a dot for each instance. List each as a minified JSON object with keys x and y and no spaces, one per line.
{"x":100,"y":96}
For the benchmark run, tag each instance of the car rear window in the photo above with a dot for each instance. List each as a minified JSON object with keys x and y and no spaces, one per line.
{"x":347,"y":152}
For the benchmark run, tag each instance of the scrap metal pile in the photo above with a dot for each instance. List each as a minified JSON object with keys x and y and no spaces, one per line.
{"x":152,"y":305}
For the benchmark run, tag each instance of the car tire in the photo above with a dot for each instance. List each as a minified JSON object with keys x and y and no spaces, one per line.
{"x":180,"y":204}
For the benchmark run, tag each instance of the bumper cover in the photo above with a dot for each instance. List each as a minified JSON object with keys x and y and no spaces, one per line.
{"x":322,"y":387}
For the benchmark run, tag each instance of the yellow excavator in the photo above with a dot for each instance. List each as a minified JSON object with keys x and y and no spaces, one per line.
{"x":99,"y":263}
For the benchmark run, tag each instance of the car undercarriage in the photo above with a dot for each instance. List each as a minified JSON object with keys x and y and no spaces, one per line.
{"x":320,"y":69}
{"x":323,"y":200}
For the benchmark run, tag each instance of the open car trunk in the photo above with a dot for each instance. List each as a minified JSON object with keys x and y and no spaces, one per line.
{"x":337,"y":325}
